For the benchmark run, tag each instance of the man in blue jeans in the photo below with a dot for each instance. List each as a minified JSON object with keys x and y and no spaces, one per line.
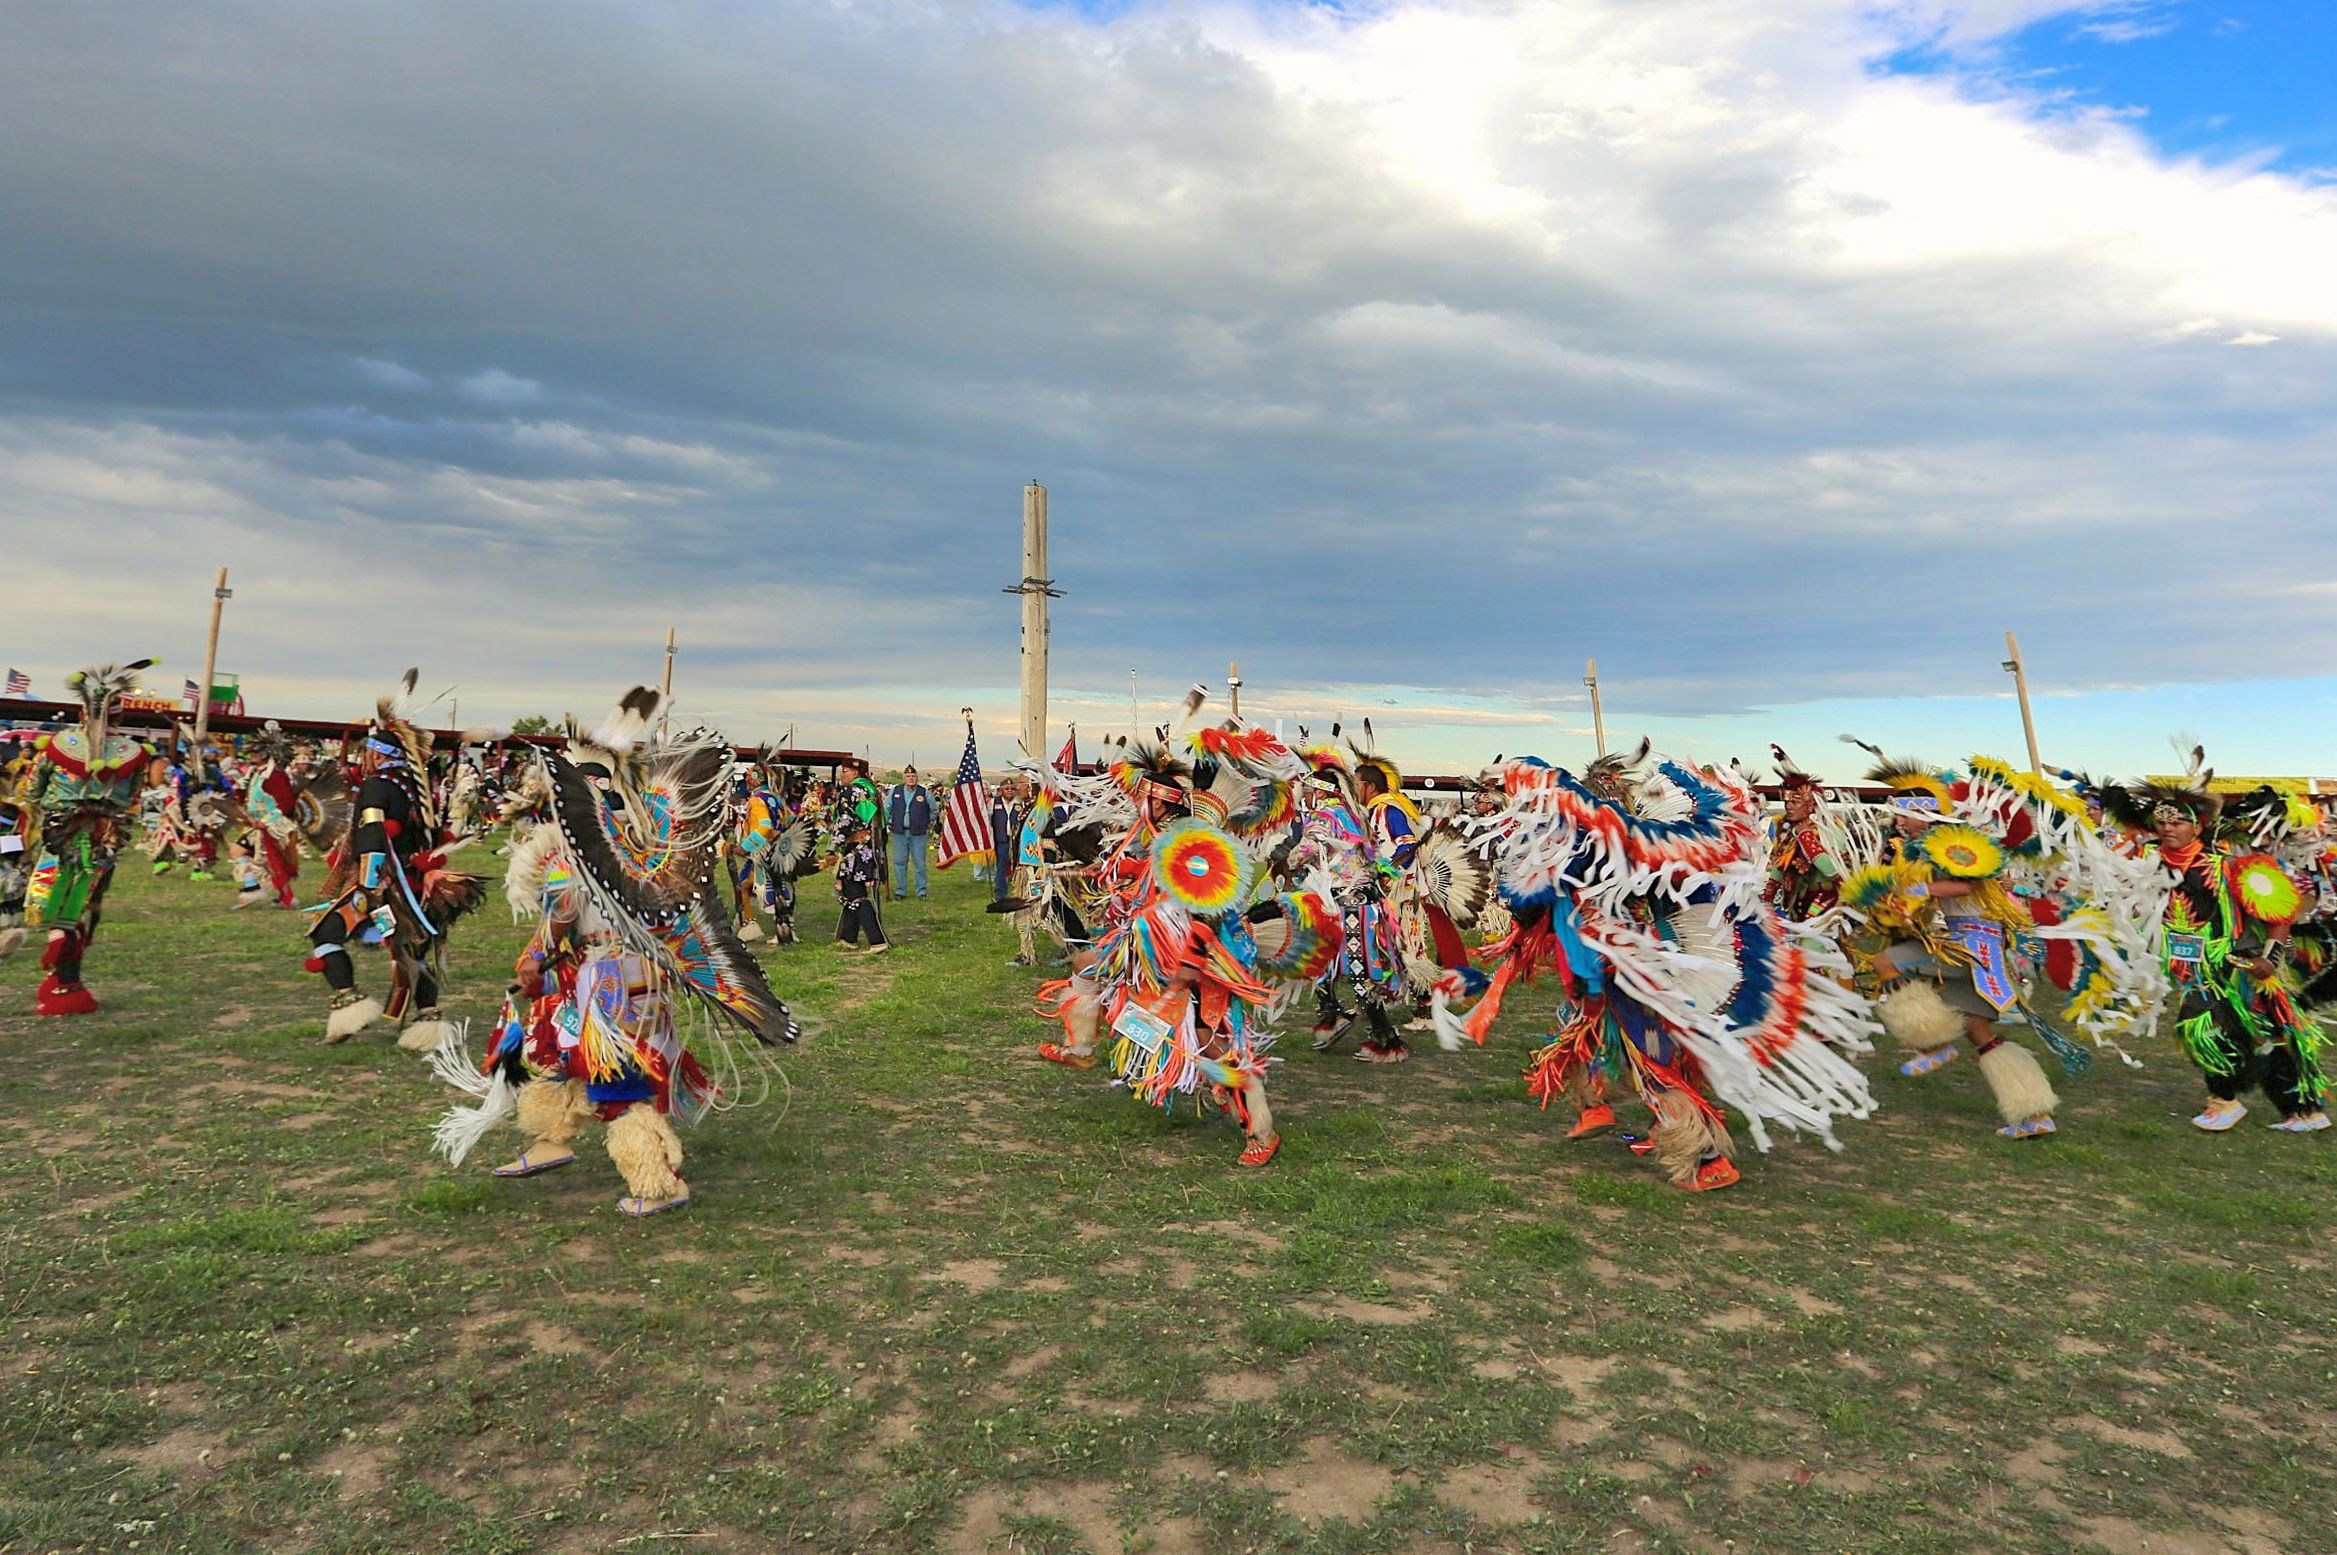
{"x":909,"y":818}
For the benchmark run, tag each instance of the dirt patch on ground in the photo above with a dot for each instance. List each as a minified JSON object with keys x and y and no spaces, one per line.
{"x":1238,"y":1387}
{"x":2164,"y":1443}
{"x":975,"y":1274}
{"x":2123,"y":1536}
{"x":360,"y":1469}
{"x":191,"y":1454}
{"x":1737,"y":1320}
{"x":1500,"y":1492}
{"x":1329,"y":1482}
{"x":1374,"y":1312}
{"x":552,"y":1339}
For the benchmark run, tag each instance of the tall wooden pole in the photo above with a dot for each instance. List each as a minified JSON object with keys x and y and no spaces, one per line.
{"x":2020,"y":685}
{"x":220,"y":594}
{"x":1598,"y":720}
{"x":665,"y":687}
{"x":1036,"y":588}
{"x":1233,"y":680}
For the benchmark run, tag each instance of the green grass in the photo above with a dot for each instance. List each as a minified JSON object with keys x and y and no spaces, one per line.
{"x":939,"y":1296}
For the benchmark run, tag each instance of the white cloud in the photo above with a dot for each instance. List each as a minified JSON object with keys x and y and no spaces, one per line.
{"x":497,"y":387}
{"x":389,"y":375}
{"x":1386,"y":349}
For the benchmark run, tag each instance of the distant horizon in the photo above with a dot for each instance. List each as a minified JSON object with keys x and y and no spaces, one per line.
{"x":1781,"y":357}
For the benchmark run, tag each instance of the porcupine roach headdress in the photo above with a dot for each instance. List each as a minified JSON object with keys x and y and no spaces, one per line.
{"x":1790,"y":775}
{"x":1615,"y":776}
{"x":1908,"y":777}
{"x":2140,"y":806}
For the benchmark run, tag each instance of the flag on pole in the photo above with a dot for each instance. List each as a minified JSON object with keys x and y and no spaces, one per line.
{"x":19,"y":683}
{"x":1067,"y":759}
{"x":193,"y":695}
{"x":965,"y":820}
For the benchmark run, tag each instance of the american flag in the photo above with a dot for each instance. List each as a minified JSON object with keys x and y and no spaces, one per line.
{"x":965,"y":820}
{"x":193,"y":695}
{"x":19,"y":684}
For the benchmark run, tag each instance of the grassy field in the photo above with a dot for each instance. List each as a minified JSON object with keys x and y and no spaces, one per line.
{"x":946,"y":1297}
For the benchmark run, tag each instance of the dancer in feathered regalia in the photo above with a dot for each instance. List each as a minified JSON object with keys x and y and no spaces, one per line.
{"x":387,"y":884}
{"x":1358,"y":843}
{"x":1805,"y":878}
{"x":1680,"y":982}
{"x":2229,"y":915}
{"x":1192,"y":961}
{"x":1983,"y":861}
{"x":271,"y":800}
{"x":631,"y":933}
{"x":83,"y":789}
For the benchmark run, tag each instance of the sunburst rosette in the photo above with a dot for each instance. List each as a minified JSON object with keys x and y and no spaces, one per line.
{"x":1201,"y":868}
{"x":2263,"y":889}
{"x":1958,"y":851}
{"x":1299,"y":941}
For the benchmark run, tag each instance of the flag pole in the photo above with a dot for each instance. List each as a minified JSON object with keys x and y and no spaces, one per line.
{"x":1233,"y":681}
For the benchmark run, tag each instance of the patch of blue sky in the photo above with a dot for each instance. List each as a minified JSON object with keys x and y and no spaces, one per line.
{"x":2219,"y":80}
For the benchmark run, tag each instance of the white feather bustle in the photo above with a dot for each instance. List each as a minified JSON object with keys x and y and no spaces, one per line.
{"x":523,"y":880}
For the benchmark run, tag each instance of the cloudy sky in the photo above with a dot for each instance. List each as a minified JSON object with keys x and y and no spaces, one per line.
{"x":1782,"y":354}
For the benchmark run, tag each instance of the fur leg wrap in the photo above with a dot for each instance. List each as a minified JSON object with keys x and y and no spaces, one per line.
{"x":1918,"y":1017}
{"x":2018,"y":1081}
{"x":647,"y":1152}
{"x":1083,"y":1013}
{"x":551,"y":1111}
{"x":1684,"y":1135}
{"x":11,"y":938}
{"x":428,"y":1032}
{"x":346,"y":1020}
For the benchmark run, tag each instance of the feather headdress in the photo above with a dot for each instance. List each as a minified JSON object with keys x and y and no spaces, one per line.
{"x":101,"y":685}
{"x":1617,"y":776}
{"x":2142,"y":805}
{"x":393,"y":733}
{"x":1910,"y":777}
{"x":1789,"y":772}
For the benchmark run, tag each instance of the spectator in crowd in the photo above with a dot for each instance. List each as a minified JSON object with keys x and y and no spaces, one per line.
{"x":1005,"y":835}
{"x":909,"y":818}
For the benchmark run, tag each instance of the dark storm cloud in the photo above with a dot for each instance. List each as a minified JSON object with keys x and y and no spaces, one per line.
{"x":1433,"y":350}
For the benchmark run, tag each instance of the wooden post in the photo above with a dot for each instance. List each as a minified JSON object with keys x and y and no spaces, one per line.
{"x":1598,"y":721}
{"x":220,"y":594}
{"x":1233,"y":681}
{"x":665,"y":687}
{"x":2020,"y":685}
{"x":1036,"y":588}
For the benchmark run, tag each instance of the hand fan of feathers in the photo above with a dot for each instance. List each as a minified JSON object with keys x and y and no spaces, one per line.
{"x":214,"y":812}
{"x":322,"y":809}
{"x":659,"y":891}
{"x":1448,"y":874}
{"x":793,"y":854}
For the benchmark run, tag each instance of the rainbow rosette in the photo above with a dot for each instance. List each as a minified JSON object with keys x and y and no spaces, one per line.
{"x":1958,"y":851}
{"x":2263,"y":889}
{"x":1201,"y":868}
{"x":1298,"y":941}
